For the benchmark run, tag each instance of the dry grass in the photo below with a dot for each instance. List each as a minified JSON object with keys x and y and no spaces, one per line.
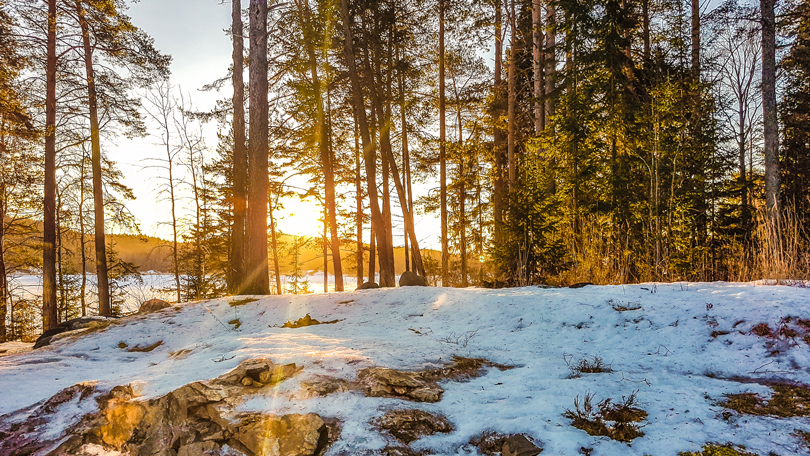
{"x":718,"y":450}
{"x":595,"y":365}
{"x":787,"y":401}
{"x":595,"y":256}
{"x":145,"y":349}
{"x":236,"y":323}
{"x":241,"y":302}
{"x":617,"y":421}
{"x":307,"y":321}
{"x":778,"y":253}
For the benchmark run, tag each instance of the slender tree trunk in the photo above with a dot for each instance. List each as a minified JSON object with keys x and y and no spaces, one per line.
{"x":258,"y":279}
{"x":443,"y":151}
{"x":645,"y":29}
{"x":462,"y":200}
{"x":499,"y":139}
{"x":82,"y":240}
{"x":372,"y":256}
{"x":325,"y":245}
{"x":550,"y":59}
{"x":49,"y":317}
{"x":175,"y":243}
{"x":61,"y":308}
{"x":512,"y":95}
{"x":3,"y":270}
{"x":386,"y":261}
{"x":359,"y":200}
{"x":99,"y":241}
{"x":240,"y":164}
{"x":537,"y":61}
{"x":696,"y":39}
{"x":741,"y":143}
{"x":274,"y":244}
{"x":771,"y":127}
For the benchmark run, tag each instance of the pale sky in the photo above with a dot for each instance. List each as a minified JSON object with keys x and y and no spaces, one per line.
{"x":194,"y":36}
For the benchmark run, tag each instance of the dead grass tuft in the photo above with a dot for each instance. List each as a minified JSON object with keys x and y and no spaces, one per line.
{"x":595,"y":365}
{"x":241,"y":302}
{"x":146,"y":349}
{"x":307,"y":321}
{"x":762,"y":330}
{"x":236,"y":323}
{"x":718,"y":450}
{"x":787,"y":401}
{"x":619,"y":307}
{"x":617,"y":421}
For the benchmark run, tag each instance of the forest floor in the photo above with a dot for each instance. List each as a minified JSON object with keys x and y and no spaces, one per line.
{"x":697,"y":363}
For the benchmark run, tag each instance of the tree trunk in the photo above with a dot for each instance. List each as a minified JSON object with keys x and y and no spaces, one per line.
{"x":696,"y":39}
{"x":325,"y":245}
{"x":3,"y":271}
{"x":741,"y":143}
{"x":550,"y":59}
{"x":645,"y":29}
{"x":99,"y":241}
{"x":499,"y":139}
{"x":512,"y":96}
{"x":443,"y":152}
{"x":386,"y":261}
{"x":82,"y":240}
{"x":359,"y":200}
{"x":537,"y":61}
{"x":771,"y":127}
{"x":258,"y":279}
{"x":462,"y":201}
{"x":274,"y":244}
{"x":372,"y":256}
{"x":49,"y":202}
{"x":240,"y":164}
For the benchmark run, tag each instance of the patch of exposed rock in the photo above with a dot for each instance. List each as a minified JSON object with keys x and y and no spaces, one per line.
{"x":368,"y":286}
{"x":413,"y":424}
{"x":153,"y":305}
{"x":384,"y":382}
{"x":195,"y":419}
{"x":417,"y":386}
{"x":323,"y":385}
{"x":411,"y":279}
{"x":491,"y":444}
{"x":76,"y":326}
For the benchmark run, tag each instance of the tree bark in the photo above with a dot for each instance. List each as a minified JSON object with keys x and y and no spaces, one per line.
{"x":359,"y":200}
{"x":645,"y":29}
{"x":3,"y":271}
{"x":49,"y":316}
{"x":387,"y":276}
{"x":274,"y":244}
{"x":550,"y":59}
{"x":240,"y":163}
{"x":258,"y":279}
{"x":512,"y":96}
{"x":100,"y":242}
{"x":499,"y":139}
{"x":443,"y":152}
{"x":696,"y":39}
{"x":537,"y":61}
{"x":771,"y":127}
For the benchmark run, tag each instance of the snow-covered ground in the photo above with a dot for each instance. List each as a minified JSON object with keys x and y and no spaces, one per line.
{"x":664,"y":351}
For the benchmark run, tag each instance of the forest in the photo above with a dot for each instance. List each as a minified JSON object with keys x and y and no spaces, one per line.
{"x":557,"y":142}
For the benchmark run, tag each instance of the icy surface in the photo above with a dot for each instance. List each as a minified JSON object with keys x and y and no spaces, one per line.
{"x":663,"y":350}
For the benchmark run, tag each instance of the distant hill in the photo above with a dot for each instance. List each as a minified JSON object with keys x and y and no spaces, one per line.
{"x":154,"y":254}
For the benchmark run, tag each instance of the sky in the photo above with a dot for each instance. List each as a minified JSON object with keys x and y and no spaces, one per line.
{"x":201,"y":52}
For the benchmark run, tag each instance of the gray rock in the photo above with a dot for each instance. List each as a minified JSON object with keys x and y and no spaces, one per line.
{"x":411,"y":279}
{"x":384,"y":382}
{"x":75,"y":324}
{"x":368,"y":286}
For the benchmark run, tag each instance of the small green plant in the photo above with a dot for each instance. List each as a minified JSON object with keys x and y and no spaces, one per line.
{"x":617,"y":421}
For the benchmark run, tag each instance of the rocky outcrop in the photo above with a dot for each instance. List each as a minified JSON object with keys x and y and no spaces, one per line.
{"x":76,"y":326}
{"x":411,"y":279}
{"x":491,"y":444}
{"x":409,"y":425}
{"x":323,"y":385}
{"x":195,"y":419}
{"x":153,"y":305}
{"x":368,"y":286}
{"x":384,"y":382}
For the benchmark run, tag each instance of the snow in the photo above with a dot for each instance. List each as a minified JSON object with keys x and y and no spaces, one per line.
{"x":663,"y":351}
